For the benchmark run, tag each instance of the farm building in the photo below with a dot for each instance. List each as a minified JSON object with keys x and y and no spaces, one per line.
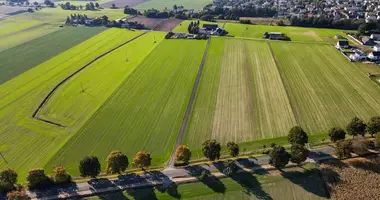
{"x":376,"y":47}
{"x":265,"y":35}
{"x":343,"y":44}
{"x":275,"y":36}
{"x":374,"y":56}
{"x":368,"y":41}
{"x":218,"y":31}
{"x":375,"y":37}
{"x":210,"y":27}
{"x":358,"y":55}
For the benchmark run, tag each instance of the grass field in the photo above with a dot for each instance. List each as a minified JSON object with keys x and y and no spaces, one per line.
{"x":70,"y":105}
{"x":324,"y":88}
{"x":28,"y":143}
{"x":145,"y":112}
{"x":162,"y":4}
{"x":301,"y":186}
{"x":33,"y":53}
{"x":10,"y":25}
{"x":233,"y":101}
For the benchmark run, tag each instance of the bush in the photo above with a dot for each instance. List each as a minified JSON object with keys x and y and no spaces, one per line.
{"x":343,"y":149}
{"x":297,"y":136}
{"x":336,"y":134}
{"x":37,"y":179}
{"x":61,"y":176}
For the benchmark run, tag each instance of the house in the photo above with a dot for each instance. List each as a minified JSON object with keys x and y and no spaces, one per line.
{"x":375,"y":37}
{"x":374,"y":56}
{"x":358,"y":55}
{"x":376,"y":48}
{"x":218,"y":31}
{"x":277,"y":36}
{"x":210,"y":27}
{"x":203,"y":31}
{"x":343,"y":44}
{"x":368,"y":41}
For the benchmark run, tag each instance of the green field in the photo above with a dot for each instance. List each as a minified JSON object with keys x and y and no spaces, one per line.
{"x":233,"y":101}
{"x":245,"y":186}
{"x":145,"y":112}
{"x":162,"y":4}
{"x":26,"y":142}
{"x":33,"y":53}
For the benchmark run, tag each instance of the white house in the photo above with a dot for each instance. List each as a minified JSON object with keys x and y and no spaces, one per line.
{"x":376,"y":48}
{"x":374,"y":55}
{"x":375,"y":37}
{"x":358,"y":55}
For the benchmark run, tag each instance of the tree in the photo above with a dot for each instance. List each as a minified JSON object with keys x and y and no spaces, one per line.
{"x":37,"y":179}
{"x":356,"y":127}
{"x":97,"y":5}
{"x":343,"y":149}
{"x":230,"y":167}
{"x":336,"y":134}
{"x":142,"y":159}
{"x":297,"y":136}
{"x":117,"y":162}
{"x":373,"y":125}
{"x":233,"y":149}
{"x":279,"y":157}
{"x":211,"y":149}
{"x":60,"y":175}
{"x":113,"y":6}
{"x":89,"y":166}
{"x":8,"y":179}
{"x":183,"y":153}
{"x":35,"y":3}
{"x":17,"y":195}
{"x":299,"y":153}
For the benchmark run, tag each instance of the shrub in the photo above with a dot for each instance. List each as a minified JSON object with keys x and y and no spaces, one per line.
{"x":343,"y":149}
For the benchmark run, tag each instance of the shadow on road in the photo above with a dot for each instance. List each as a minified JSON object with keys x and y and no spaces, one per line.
{"x":205,"y":176}
{"x":56,"y":190}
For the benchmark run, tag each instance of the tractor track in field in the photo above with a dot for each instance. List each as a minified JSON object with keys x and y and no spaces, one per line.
{"x":189,"y":107}
{"x":283,"y":83}
{"x":51,"y":93}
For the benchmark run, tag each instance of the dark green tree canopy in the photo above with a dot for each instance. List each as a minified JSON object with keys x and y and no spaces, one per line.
{"x":37,"y":179}
{"x":211,"y":149}
{"x":279,"y":157}
{"x":297,"y":136}
{"x":373,"y":125}
{"x":233,"y":149}
{"x":336,"y":134}
{"x":8,"y":176}
{"x":117,"y":162}
{"x":61,"y":176}
{"x":299,"y":153}
{"x":89,"y":166}
{"x":230,"y":167}
{"x":356,"y":127}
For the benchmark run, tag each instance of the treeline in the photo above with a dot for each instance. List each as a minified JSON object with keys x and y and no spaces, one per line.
{"x":326,"y":22}
{"x":234,"y":13}
{"x":153,"y":13}
{"x":82,"y":19}
{"x":88,"y":6}
{"x":131,"y":11}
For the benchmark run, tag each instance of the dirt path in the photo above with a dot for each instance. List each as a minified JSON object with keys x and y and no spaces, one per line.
{"x":182,"y":130}
{"x":51,"y":93}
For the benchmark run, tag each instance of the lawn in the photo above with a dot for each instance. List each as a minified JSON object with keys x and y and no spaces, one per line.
{"x":233,"y":102}
{"x":325,"y":89}
{"x":71,"y":105}
{"x":145,"y":112}
{"x":28,"y":143}
{"x":245,"y":186}
{"x":162,"y":4}
{"x":35,"y":52}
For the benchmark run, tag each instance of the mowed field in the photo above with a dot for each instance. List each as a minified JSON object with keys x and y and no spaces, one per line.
{"x":235,"y":99}
{"x":33,"y":53}
{"x":145,"y":112}
{"x":26,"y":142}
{"x":325,"y":89}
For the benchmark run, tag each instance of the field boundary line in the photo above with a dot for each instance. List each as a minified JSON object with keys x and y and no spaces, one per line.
{"x":283,"y":83}
{"x":51,"y":93}
{"x":189,"y":107}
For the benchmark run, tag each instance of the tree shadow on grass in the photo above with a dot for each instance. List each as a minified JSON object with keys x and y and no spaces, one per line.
{"x":251,"y":163}
{"x":249,"y":182}
{"x":208,"y":179}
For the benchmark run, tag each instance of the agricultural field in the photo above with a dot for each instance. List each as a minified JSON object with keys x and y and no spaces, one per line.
{"x":35,"y":52}
{"x":28,"y":143}
{"x":162,"y":4}
{"x":239,"y":81}
{"x":325,"y":90}
{"x":10,"y":25}
{"x":121,"y":3}
{"x":145,"y":112}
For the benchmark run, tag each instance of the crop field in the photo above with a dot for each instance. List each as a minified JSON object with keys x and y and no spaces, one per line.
{"x":33,"y":53}
{"x":26,"y":142}
{"x":162,"y":4}
{"x":325,"y":89}
{"x":240,"y":80}
{"x":10,"y":25}
{"x":71,"y":105}
{"x":145,"y":112}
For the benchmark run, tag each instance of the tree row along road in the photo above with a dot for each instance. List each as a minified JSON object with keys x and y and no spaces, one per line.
{"x":189,"y":107}
{"x":51,"y":93}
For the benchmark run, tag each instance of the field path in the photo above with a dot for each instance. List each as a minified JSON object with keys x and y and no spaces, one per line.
{"x":51,"y":93}
{"x":181,"y":132}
